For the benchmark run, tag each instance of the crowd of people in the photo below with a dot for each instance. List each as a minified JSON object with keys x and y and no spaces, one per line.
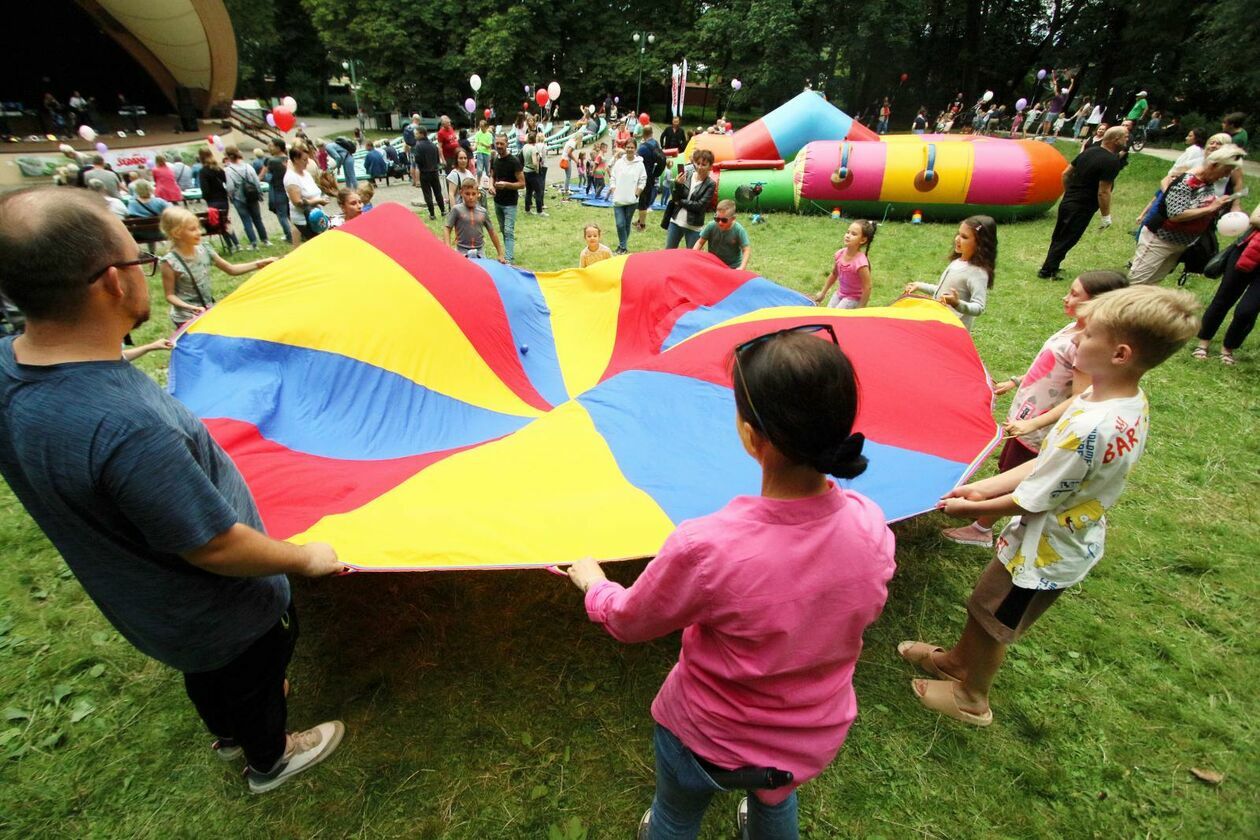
{"x":158,"y":525}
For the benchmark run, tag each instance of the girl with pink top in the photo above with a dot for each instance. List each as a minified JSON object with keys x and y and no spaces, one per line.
{"x":772,"y":594}
{"x":1042,"y":394}
{"x":852,"y":268}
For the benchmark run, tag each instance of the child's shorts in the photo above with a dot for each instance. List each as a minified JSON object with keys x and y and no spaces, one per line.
{"x":1003,"y":609}
{"x":838,"y":302}
{"x":1013,"y":454}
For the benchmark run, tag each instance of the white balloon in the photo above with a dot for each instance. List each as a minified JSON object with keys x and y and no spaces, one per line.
{"x":86,"y":132}
{"x":988,"y":95}
{"x":474,"y":82}
{"x":290,"y":103}
{"x":1232,"y":224}
{"x":553,"y":90}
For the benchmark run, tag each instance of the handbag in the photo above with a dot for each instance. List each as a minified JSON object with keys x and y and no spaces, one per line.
{"x":1215,"y":268}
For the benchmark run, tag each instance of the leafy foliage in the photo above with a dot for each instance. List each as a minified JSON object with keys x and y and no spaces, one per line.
{"x":421,"y":54}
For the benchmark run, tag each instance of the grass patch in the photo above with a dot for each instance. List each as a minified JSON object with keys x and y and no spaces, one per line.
{"x":484,"y":705}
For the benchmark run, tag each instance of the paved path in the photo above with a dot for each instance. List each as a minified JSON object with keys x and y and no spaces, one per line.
{"x":1250,"y":167}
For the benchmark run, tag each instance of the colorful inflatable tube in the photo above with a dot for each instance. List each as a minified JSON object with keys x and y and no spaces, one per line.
{"x":944,"y":177}
{"x":783,"y":132}
{"x":792,"y":153}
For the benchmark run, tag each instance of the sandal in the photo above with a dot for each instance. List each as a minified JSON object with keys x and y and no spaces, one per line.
{"x":1227,"y":358}
{"x":938,"y":695}
{"x":920,"y":654}
{"x":1200,"y":353}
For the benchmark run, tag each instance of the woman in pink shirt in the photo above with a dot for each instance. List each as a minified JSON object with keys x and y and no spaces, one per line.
{"x":772,"y":594}
{"x":164,"y":184}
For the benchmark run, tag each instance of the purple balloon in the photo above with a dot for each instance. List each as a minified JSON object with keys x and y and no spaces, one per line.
{"x":271,"y":121}
{"x":1021,"y":104}
{"x":1041,"y":74}
{"x":527,"y":90}
{"x":470,"y":105}
{"x":617,"y":100}
{"x":102,"y":148}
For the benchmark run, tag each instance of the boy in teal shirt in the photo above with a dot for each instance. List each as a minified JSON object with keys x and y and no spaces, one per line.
{"x":726,"y":238}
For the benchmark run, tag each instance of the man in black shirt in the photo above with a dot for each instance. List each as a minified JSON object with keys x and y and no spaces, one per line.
{"x":509,"y":179}
{"x":674,"y":137}
{"x":426,"y":159}
{"x":1087,"y":184}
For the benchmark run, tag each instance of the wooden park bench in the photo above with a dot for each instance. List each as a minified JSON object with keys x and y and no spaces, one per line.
{"x":147,"y":230}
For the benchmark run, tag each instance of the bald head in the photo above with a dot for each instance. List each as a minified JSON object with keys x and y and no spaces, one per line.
{"x":52,"y":240}
{"x":1116,"y":136}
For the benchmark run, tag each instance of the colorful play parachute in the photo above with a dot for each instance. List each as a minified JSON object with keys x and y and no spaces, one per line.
{"x":423,"y":411}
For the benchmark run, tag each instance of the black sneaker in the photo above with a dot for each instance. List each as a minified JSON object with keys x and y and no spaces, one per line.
{"x":227,"y":749}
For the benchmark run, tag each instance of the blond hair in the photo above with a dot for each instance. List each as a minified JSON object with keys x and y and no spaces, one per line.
{"x":1154,"y":321}
{"x":727,"y":205}
{"x":174,"y":218}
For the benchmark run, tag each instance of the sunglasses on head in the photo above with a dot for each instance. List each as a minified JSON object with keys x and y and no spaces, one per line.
{"x":752,"y":342}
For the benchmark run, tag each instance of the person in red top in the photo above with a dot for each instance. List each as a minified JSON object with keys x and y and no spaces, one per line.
{"x":1239,"y":285}
{"x":164,"y":183}
{"x":448,"y":144}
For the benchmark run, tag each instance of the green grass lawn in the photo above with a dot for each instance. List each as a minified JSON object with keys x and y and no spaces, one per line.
{"x":485,"y":705}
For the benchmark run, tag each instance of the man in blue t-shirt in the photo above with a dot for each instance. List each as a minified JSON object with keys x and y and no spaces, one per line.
{"x":654,"y":165}
{"x":149,"y":513}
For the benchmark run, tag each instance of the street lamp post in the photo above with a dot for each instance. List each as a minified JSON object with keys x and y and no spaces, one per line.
{"x":354,"y":88}
{"x":642,"y":39}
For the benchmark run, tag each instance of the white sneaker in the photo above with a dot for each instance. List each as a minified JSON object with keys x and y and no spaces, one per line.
{"x":741,"y":818}
{"x":971,"y":534}
{"x":303,"y":751}
{"x":645,"y":825}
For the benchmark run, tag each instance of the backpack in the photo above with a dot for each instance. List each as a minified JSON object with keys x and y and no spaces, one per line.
{"x":409,"y":134}
{"x":249,"y":185}
{"x":346,"y":143}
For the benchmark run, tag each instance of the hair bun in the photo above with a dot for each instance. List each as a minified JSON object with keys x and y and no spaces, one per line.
{"x":845,"y":460}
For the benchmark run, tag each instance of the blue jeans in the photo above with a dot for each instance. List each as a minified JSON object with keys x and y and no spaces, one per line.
{"x":282,"y":213}
{"x":676,"y":233}
{"x":683,"y":791}
{"x":340,"y":158}
{"x":623,"y":215}
{"x":483,"y":163}
{"x":881,"y":127}
{"x":251,"y":217}
{"x":506,"y":214}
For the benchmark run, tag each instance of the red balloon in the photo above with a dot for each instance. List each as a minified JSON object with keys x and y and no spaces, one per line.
{"x":905,"y":76}
{"x":284,"y":118}
{"x":487,"y":113}
{"x":525,"y":105}
{"x":644,"y":119}
{"x":541,"y":98}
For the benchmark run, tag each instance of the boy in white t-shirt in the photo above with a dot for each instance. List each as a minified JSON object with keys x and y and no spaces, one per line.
{"x":1059,"y":499}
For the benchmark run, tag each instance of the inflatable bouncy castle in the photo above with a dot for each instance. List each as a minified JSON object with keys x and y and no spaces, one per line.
{"x":810,"y":156}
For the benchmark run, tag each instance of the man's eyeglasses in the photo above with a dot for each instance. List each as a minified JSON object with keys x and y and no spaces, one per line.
{"x":147,"y":262}
{"x":740,"y":348}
